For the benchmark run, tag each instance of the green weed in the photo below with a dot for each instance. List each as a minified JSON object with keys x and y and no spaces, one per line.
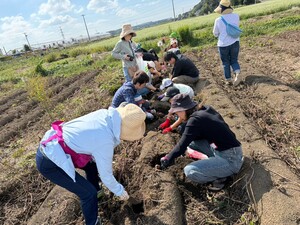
{"x":39,"y":69}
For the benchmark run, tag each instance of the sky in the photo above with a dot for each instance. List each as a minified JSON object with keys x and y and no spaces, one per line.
{"x":42,"y":21}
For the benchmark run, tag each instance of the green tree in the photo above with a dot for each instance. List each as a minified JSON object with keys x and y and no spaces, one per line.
{"x":26,"y":48}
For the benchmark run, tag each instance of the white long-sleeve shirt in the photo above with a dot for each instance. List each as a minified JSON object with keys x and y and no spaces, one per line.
{"x":219,"y":29}
{"x":95,"y":134}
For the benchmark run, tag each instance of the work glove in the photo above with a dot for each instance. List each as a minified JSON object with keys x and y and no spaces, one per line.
{"x":167,"y":130}
{"x":164,"y":162}
{"x":160,"y":97}
{"x":124,"y":196}
{"x":165,"y":124}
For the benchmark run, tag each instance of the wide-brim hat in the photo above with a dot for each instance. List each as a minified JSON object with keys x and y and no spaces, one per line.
{"x":127,"y":29}
{"x":170,"y":93}
{"x":224,"y":7}
{"x":173,"y":41}
{"x":181,"y":102}
{"x":133,"y":122}
{"x":167,"y":82}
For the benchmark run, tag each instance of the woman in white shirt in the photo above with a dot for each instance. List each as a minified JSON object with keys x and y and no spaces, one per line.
{"x":229,"y":47}
{"x":89,"y":138}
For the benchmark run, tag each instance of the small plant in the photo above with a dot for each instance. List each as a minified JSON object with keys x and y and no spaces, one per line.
{"x":186,"y":35}
{"x":51,"y":57}
{"x":36,"y":89}
{"x":39,"y":69}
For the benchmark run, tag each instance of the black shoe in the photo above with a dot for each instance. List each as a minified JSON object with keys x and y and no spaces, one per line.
{"x":217,"y":184}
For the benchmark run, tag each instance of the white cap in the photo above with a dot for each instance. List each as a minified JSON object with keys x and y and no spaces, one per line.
{"x":165,"y":83}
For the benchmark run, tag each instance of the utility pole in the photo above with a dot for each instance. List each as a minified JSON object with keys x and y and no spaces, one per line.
{"x":4,"y":50}
{"x":173,"y":10}
{"x":87,"y":31}
{"x":27,"y":40}
{"x":62,"y":33}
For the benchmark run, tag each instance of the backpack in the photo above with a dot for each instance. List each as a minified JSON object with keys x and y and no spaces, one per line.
{"x":232,"y":30}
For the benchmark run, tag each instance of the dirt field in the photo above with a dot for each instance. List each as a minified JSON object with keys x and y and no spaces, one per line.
{"x":264,"y":112}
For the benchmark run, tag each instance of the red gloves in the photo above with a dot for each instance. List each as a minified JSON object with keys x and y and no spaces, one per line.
{"x":167,"y":130}
{"x":165,"y":124}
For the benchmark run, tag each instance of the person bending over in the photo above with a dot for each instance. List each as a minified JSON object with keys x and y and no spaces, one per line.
{"x":89,"y":139}
{"x":207,"y":132}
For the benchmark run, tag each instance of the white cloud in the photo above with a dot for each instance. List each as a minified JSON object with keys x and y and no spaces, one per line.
{"x":78,"y":11}
{"x":100,"y":6}
{"x":126,"y":12}
{"x":56,"y":20}
{"x":14,"y":25}
{"x":55,"y":7}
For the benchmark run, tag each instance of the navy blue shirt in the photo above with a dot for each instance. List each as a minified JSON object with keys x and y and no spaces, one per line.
{"x":125,"y":93}
{"x":184,"y":66}
{"x":205,"y":124}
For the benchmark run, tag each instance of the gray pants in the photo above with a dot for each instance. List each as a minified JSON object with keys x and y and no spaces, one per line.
{"x":220,"y":164}
{"x":183,"y":79}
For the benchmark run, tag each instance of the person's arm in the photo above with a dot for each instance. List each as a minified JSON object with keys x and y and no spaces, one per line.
{"x":116,"y":52}
{"x":176,"y":123}
{"x":150,"y":87}
{"x":103,"y":159}
{"x":216,"y":31}
{"x":177,"y":69}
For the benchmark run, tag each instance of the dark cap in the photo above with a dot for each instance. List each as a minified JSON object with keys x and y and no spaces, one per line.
{"x":170,"y":93}
{"x":181,"y":102}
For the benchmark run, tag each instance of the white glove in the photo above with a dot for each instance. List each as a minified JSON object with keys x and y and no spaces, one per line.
{"x":124,"y":196}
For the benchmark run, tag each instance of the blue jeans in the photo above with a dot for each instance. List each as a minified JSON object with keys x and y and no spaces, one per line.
{"x":82,"y":188}
{"x":144,"y":91}
{"x":220,"y":164}
{"x":126,"y":74}
{"x":229,"y":56}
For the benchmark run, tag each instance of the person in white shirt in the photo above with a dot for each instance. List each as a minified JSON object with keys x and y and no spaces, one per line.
{"x":229,"y":47}
{"x":89,"y":139}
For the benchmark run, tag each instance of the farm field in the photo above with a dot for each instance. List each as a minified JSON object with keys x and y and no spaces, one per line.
{"x":264,"y":113}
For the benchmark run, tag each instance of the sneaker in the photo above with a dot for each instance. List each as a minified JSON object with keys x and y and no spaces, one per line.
{"x":217,"y":184}
{"x":237,"y":80}
{"x":98,"y":222}
{"x":228,"y":82}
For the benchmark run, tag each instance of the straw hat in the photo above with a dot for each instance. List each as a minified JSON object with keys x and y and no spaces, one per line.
{"x":181,"y":102}
{"x":133,"y":122}
{"x":127,"y":29}
{"x":224,"y":7}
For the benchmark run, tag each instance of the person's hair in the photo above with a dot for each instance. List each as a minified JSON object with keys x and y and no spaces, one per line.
{"x":169,"y":55}
{"x":189,"y":112}
{"x":140,"y":77}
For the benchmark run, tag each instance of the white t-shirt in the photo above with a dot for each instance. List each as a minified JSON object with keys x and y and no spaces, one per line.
{"x":185,"y":89}
{"x":219,"y":30}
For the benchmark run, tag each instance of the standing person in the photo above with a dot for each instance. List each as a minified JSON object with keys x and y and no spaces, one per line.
{"x":229,"y":47}
{"x":74,"y":144}
{"x":184,"y":70}
{"x":128,"y":90}
{"x":206,"y":132}
{"x":124,"y":50}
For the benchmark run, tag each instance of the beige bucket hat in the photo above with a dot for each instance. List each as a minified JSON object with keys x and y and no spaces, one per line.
{"x":133,"y":122}
{"x":224,"y":7}
{"x":127,"y":29}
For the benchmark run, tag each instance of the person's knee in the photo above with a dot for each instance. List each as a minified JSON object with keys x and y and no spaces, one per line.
{"x":192,"y":173}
